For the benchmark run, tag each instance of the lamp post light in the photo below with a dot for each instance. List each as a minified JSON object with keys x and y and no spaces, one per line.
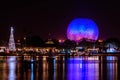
{"x":24,"y":41}
{"x":18,"y":42}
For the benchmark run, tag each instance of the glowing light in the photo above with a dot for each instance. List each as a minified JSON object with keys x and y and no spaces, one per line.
{"x":111,"y":47}
{"x":82,"y":28}
{"x":111,"y":50}
{"x":100,"y":40}
{"x":79,"y":69}
{"x":61,"y":41}
{"x":12,"y":66}
{"x":18,"y":40}
{"x":24,"y":38}
{"x":32,"y":71}
{"x":11,"y":41}
{"x":49,"y":42}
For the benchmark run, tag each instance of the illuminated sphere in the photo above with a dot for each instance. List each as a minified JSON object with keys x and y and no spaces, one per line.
{"x":81,"y":28}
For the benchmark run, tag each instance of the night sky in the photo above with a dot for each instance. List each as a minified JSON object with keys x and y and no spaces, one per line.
{"x":53,"y":17}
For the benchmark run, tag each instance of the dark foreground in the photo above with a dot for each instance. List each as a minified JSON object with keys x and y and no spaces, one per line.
{"x":60,"y":68}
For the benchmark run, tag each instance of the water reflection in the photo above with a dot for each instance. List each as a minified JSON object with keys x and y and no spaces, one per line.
{"x":60,"y":68}
{"x":12,"y":67}
{"x":78,"y":69}
{"x":33,"y":71}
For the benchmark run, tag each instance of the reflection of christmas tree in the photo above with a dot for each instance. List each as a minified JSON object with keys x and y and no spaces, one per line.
{"x":11,"y":41}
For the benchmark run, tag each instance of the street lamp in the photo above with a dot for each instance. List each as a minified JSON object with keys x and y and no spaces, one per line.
{"x":24,"y":41}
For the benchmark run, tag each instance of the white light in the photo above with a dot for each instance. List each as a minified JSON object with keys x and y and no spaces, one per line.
{"x":12,"y":68}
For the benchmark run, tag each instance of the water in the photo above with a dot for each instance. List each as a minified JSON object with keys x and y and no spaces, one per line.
{"x":60,"y":68}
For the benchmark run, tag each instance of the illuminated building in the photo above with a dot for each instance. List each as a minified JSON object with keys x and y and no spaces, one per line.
{"x":82,"y":28}
{"x":11,"y":41}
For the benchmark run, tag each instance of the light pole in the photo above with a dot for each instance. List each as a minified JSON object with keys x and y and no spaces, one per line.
{"x":24,"y":41}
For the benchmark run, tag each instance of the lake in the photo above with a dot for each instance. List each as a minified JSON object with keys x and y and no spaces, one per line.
{"x":60,"y":68}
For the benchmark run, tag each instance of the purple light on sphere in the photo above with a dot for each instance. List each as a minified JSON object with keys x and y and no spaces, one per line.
{"x":80,"y":28}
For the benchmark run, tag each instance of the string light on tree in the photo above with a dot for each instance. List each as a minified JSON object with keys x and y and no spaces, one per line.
{"x":11,"y":41}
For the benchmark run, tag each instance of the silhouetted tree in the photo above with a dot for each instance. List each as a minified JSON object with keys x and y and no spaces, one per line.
{"x":114,"y":41}
{"x":86,"y":43}
{"x":32,"y":41}
{"x":69,"y":44}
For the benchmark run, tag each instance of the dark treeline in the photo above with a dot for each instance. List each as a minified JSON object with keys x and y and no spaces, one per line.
{"x":36,"y":41}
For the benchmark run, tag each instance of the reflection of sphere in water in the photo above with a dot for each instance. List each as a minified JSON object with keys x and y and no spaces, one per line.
{"x":81,"y":28}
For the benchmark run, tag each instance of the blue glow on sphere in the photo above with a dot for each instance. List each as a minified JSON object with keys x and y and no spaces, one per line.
{"x":82,"y":28}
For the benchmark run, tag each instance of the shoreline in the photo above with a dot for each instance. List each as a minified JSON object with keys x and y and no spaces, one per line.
{"x":59,"y":54}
